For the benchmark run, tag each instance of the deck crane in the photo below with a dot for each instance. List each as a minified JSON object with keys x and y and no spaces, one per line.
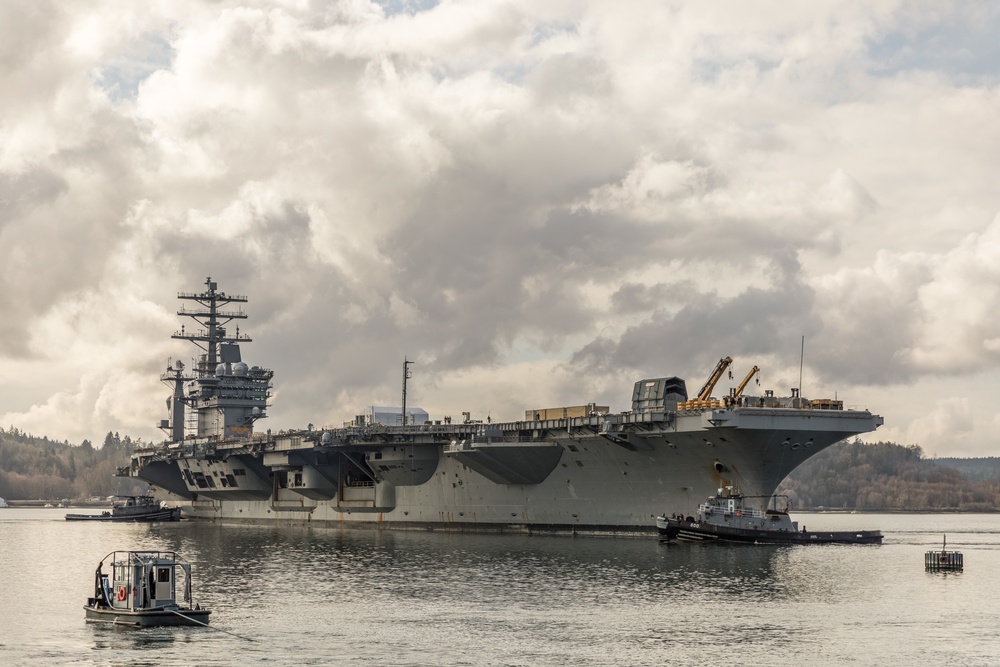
{"x":746,"y":381}
{"x":706,"y":391}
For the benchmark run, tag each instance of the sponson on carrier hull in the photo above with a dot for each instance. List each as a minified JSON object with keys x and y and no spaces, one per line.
{"x":574,"y":469}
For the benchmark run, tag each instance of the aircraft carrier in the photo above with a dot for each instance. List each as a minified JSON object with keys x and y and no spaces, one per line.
{"x":573,"y":469}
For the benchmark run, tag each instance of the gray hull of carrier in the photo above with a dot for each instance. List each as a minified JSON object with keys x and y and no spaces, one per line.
{"x":576,"y":469}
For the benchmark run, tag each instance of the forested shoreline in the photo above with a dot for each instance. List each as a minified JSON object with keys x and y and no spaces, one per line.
{"x":885,"y":476}
{"x":34,"y":467}
{"x":853,"y":476}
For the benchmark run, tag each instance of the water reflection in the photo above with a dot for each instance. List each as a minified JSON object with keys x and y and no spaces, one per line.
{"x":246,"y":563}
{"x":125,"y":638}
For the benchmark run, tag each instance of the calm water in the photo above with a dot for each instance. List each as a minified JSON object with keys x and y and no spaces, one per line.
{"x":361,"y":597}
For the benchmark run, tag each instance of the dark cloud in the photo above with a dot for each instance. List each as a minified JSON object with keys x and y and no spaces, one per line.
{"x":754,"y":323}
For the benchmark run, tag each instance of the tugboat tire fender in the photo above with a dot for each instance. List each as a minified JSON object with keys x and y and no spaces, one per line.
{"x":121,"y":593}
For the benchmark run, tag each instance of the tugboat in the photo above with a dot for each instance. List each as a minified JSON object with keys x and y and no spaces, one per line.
{"x":141,"y":590}
{"x":132,"y":508}
{"x":727,"y":517}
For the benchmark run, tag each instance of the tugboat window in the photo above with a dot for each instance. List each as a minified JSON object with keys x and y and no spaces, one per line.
{"x":163,"y":575}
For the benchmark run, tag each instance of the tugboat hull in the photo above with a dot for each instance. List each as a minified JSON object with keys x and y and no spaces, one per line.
{"x":146,"y":618}
{"x":689,"y":531}
{"x":166,"y":514}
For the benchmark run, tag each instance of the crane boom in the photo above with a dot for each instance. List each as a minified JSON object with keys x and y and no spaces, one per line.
{"x":720,"y":368}
{"x":746,"y":381}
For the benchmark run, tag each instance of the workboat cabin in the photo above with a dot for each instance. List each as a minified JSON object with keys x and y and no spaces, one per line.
{"x":141,"y":588}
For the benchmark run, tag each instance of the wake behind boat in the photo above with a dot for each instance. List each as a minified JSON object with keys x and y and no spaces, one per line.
{"x":727,"y":517}
{"x":132,"y":508}
{"x":141,"y":590}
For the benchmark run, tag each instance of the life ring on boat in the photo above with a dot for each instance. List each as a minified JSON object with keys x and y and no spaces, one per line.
{"x":739,"y":513}
{"x":121,"y":593}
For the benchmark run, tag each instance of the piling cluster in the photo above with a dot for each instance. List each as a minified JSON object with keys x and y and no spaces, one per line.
{"x":943,"y":560}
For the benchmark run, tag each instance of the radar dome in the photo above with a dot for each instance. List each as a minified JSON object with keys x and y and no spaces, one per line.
{"x":220,"y":370}
{"x":240,"y":369}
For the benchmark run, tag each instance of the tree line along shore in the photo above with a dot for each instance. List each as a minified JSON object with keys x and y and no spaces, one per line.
{"x":849,"y":476}
{"x":34,"y":468}
{"x":885,"y":476}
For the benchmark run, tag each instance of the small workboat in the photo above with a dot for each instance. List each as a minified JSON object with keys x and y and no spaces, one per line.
{"x":729,"y":517}
{"x":140,"y":589}
{"x":132,"y":508}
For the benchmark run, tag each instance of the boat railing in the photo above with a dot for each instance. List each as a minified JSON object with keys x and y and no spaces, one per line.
{"x":707,"y":509}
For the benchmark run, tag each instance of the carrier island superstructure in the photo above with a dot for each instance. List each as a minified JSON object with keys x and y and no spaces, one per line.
{"x":577,"y":469}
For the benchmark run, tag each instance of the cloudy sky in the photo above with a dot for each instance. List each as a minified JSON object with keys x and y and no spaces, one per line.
{"x":538,"y":203}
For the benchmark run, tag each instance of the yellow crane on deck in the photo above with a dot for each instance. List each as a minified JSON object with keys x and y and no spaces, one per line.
{"x":746,"y":381}
{"x":704,"y":399}
{"x":704,"y":396}
{"x":706,"y":391}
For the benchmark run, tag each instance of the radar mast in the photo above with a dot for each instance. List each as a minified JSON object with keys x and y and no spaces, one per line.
{"x":224,"y":394}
